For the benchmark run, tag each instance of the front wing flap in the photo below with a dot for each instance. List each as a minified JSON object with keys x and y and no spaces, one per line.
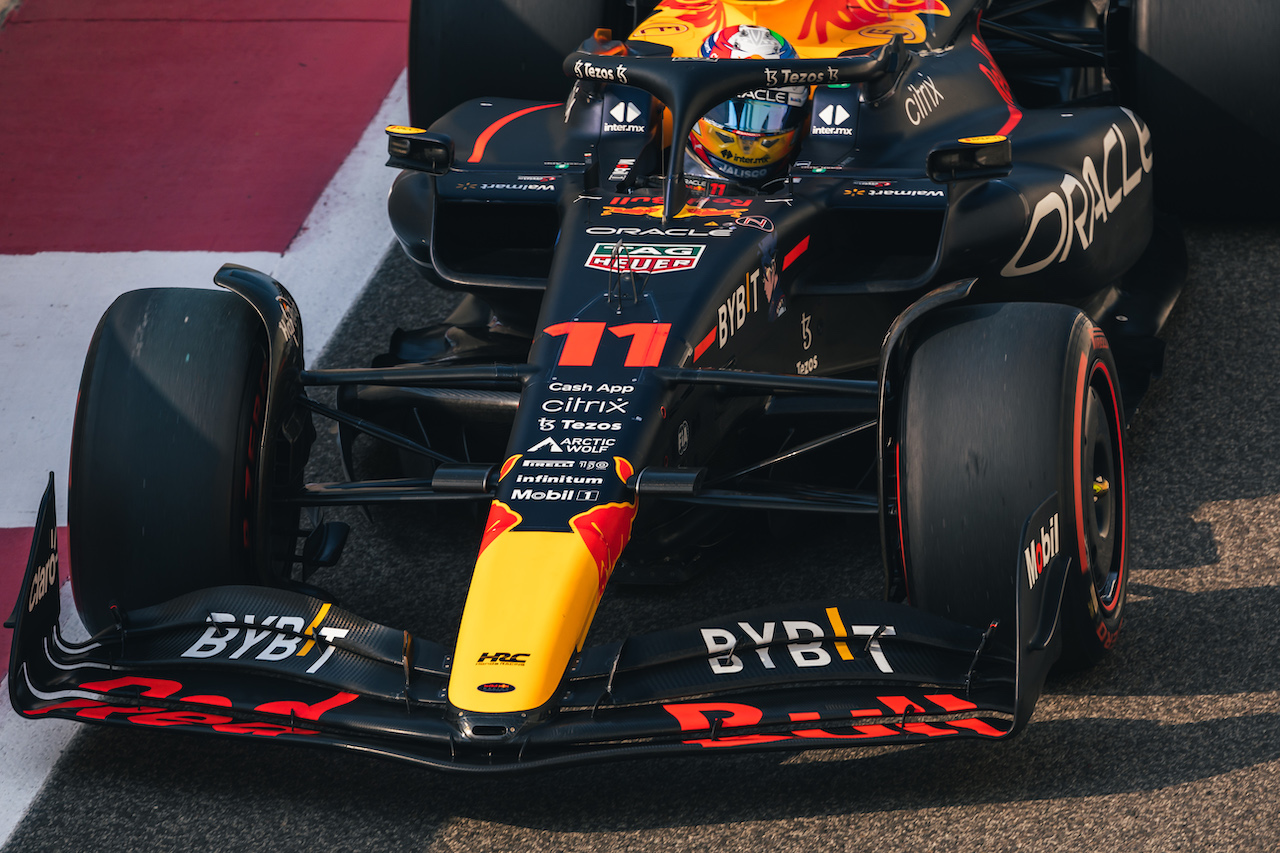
{"x":260,"y":662}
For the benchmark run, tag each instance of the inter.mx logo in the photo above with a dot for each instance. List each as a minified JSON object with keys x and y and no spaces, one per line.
{"x":831,"y":118}
{"x":648,"y":259}
{"x":624,"y":115}
{"x":833,"y":114}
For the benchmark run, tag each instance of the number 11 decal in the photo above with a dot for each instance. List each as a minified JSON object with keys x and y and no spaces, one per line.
{"x":582,"y":340}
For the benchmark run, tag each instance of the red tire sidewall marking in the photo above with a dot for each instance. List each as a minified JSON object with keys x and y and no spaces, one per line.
{"x":902,"y":544}
{"x":1077,"y":464}
{"x":1084,"y":382}
{"x":1122,"y":509}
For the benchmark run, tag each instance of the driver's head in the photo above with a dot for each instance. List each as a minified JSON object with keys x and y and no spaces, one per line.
{"x":750,"y":138}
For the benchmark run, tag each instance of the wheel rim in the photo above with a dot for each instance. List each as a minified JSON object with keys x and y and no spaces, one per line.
{"x":1102,"y":491}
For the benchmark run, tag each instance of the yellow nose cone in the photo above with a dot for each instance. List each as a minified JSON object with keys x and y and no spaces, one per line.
{"x":531,"y":599}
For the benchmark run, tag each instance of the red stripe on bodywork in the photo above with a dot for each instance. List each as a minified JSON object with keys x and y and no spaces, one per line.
{"x":605,"y":529}
{"x":996,"y":76}
{"x":799,"y":250}
{"x":948,"y":702}
{"x":483,"y":139}
{"x":704,"y":344}
{"x":976,"y":725}
{"x":501,"y":519}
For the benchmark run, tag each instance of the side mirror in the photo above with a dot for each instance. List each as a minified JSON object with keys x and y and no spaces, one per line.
{"x":418,"y":149}
{"x":973,"y":157}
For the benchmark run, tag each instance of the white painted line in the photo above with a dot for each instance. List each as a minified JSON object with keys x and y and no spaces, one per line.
{"x":51,"y":303}
{"x":339,"y":246}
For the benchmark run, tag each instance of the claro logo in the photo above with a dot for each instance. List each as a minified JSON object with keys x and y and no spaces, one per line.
{"x":46,"y":577}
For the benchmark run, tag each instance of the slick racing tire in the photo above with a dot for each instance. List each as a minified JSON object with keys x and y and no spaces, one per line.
{"x":514,"y":49}
{"x":163,"y":484}
{"x":1202,"y":74}
{"x":1003,"y":407}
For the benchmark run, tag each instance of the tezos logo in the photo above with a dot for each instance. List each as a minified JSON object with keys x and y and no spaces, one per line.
{"x":786,"y":77}
{"x":586,"y":70}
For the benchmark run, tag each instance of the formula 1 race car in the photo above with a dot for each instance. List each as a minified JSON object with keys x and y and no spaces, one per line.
{"x":806,"y":256}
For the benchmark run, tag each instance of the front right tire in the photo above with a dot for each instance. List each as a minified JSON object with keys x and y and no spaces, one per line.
{"x":1004,"y":406}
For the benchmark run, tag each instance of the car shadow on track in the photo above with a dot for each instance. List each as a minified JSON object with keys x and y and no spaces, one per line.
{"x":1207,"y":432}
{"x":293,"y":799}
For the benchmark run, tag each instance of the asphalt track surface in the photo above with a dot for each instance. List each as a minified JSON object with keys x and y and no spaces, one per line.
{"x":1173,"y":743}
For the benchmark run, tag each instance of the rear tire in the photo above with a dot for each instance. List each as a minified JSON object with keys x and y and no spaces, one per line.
{"x":1194,"y":72}
{"x":163,"y":487}
{"x":1190,"y":69}
{"x":1002,"y":407}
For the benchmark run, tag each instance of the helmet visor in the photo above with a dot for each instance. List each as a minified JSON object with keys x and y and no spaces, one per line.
{"x":758,"y":116}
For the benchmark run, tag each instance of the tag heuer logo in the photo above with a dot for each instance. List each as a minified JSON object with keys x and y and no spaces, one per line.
{"x":646,"y":259}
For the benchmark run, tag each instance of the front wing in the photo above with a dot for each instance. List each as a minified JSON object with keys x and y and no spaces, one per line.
{"x":258,"y":662}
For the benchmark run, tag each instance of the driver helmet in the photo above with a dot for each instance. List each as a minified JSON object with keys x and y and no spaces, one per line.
{"x":751,"y":137}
